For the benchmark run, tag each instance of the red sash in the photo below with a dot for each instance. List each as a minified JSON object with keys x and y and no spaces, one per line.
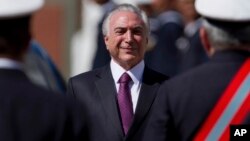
{"x":232,"y":108}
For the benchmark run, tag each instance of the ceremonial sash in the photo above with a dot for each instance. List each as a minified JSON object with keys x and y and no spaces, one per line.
{"x":232,"y":108}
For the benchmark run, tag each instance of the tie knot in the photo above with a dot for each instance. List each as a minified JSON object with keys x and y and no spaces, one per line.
{"x":125,"y":78}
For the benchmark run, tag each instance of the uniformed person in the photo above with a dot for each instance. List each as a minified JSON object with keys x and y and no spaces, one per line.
{"x":28,"y":112}
{"x":202,"y":103}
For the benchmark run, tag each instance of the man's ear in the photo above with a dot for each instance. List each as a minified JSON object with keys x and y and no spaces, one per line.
{"x":205,"y":41}
{"x":106,"y":41}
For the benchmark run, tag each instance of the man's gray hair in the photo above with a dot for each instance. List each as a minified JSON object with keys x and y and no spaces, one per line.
{"x":223,"y":38}
{"x":129,"y":8}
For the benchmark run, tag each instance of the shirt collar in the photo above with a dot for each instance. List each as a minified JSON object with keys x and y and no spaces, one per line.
{"x":135,"y":73}
{"x":10,"y":64}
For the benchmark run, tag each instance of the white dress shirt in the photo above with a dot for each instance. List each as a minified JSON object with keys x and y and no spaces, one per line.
{"x":136,"y":75}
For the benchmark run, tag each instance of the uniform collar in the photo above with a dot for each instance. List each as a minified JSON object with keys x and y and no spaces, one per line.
{"x":6,"y":63}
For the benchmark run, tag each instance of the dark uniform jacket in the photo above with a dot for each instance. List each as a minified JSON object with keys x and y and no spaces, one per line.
{"x":30,"y":113}
{"x":185,"y":102}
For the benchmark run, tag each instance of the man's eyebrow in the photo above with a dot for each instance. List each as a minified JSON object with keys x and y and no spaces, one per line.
{"x":119,"y":27}
{"x":140,"y":27}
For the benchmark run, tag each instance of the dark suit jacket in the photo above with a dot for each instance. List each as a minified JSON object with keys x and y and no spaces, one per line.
{"x":30,"y":113}
{"x":96,"y":90}
{"x":184,"y":102}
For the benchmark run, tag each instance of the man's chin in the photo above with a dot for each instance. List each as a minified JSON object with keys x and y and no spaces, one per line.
{"x":128,"y":58}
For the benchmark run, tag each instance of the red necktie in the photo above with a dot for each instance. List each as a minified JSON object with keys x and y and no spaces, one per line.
{"x":125,"y":102}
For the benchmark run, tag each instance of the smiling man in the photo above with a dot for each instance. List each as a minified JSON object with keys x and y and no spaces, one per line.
{"x":117,"y":98}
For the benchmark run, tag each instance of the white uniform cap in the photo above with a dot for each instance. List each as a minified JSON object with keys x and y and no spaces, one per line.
{"x":224,"y":10}
{"x":138,"y":2}
{"x":17,"y":8}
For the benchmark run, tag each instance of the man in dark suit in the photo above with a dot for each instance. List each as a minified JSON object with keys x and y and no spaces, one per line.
{"x":28,"y":112}
{"x":125,"y":34}
{"x":186,"y":105}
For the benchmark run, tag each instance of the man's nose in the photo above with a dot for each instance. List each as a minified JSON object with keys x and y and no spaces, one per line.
{"x":129,"y":36}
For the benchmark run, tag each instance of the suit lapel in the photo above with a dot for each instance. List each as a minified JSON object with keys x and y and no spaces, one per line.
{"x":146,"y":98}
{"x":106,"y":88}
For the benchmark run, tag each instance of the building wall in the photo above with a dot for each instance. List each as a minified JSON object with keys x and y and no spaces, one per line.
{"x":53,"y":27}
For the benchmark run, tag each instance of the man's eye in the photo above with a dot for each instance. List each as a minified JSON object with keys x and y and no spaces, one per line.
{"x":138,"y":32}
{"x":119,"y":31}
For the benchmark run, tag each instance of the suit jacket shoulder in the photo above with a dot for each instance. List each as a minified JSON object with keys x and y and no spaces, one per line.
{"x":30,"y":113}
